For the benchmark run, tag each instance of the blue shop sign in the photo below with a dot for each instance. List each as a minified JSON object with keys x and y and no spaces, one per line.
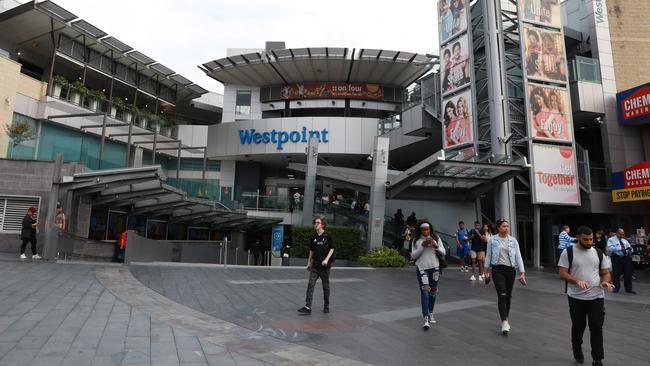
{"x":634,"y":105}
{"x":277,"y":237}
{"x":280,"y":137}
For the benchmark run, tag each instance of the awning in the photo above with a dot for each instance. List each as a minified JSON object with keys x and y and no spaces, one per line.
{"x":142,"y":191}
{"x":441,"y":175}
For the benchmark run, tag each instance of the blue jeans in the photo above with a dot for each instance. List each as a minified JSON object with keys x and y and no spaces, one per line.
{"x":428,"y":289}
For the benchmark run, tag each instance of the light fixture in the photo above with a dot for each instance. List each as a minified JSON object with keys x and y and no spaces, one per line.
{"x":19,"y":52}
{"x":103,"y":90}
{"x":8,"y":100}
{"x":333,"y":103}
{"x":299,"y":103}
{"x":126,"y":99}
{"x":363,"y":104}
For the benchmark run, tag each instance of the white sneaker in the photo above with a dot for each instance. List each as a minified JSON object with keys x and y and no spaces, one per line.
{"x":472,"y":278}
{"x":23,"y":256}
{"x":426,"y":324}
{"x":480,"y":277}
{"x":466,"y":269}
{"x":505,"y":327}
{"x":462,"y":269}
{"x":36,"y":256}
{"x":432,"y":320}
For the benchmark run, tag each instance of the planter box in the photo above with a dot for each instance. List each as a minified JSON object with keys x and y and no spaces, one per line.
{"x":75,"y":98}
{"x":128,"y":116}
{"x":113,"y":111}
{"x":57,"y":91}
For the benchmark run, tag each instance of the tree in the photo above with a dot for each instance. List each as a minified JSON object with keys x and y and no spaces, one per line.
{"x":19,"y":133}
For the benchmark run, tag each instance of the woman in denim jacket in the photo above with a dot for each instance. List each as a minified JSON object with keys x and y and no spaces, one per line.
{"x":501,"y":262}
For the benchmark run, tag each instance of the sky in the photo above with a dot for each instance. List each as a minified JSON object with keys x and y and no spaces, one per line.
{"x":185,"y":33}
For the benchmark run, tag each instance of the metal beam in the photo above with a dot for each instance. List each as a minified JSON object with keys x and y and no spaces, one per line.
{"x":75,"y":115}
{"x":132,"y":134}
{"x":83,"y":127}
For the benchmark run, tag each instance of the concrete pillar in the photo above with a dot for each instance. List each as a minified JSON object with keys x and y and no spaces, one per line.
{"x":378,"y":192}
{"x":537,"y":237}
{"x":50,"y":230}
{"x":310,"y":181}
{"x":136,"y":157}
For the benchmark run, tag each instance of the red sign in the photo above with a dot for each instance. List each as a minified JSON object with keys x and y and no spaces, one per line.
{"x":638,"y":175}
{"x":634,"y":104}
{"x":332,"y":90}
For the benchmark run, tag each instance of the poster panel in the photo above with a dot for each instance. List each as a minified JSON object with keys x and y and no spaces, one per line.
{"x":554,"y":175}
{"x":549,"y":115}
{"x":544,"y":55}
{"x":456,"y":66}
{"x":543,"y":12}
{"x":332,"y":90}
{"x":452,"y":18}
{"x":458,"y":120}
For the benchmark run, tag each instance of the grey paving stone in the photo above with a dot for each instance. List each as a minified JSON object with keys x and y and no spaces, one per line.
{"x":79,"y":357}
{"x":136,"y":358}
{"x":190,"y":355}
{"x":32,"y":342}
{"x":18,"y":357}
{"x":47,"y":361}
{"x":187,"y":342}
{"x":137,"y":343}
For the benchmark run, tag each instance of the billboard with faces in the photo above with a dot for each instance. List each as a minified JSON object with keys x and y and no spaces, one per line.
{"x":458,"y":127}
{"x":455,"y":65}
{"x":452,"y":18}
{"x":549,"y":114}
{"x":544,"y":55}
{"x":543,"y":12}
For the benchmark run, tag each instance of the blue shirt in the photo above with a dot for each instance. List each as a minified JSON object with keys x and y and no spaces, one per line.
{"x":461,"y":234}
{"x":492,"y":255}
{"x":616,"y":246}
{"x":565,"y":240}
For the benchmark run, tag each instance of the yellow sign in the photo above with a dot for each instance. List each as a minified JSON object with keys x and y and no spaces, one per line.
{"x":631,"y":194}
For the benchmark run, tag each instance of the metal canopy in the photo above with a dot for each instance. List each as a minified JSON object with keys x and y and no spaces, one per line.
{"x":143,"y":191}
{"x":319,"y":64}
{"x":31,"y":22}
{"x":470,"y":175}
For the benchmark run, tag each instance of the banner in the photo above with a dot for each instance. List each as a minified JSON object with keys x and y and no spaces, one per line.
{"x":634,"y":105}
{"x":452,"y":18}
{"x":455,"y":65}
{"x":277,"y":237}
{"x":544,"y":55}
{"x":554,"y":175}
{"x":549,"y":116}
{"x":332,"y":90}
{"x":458,"y":121}
{"x":543,"y":12}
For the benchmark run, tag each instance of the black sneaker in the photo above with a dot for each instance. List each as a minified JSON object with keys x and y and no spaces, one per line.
{"x":326,"y":309}
{"x":578,"y":355}
{"x":597,"y":363}
{"x":305,"y":310}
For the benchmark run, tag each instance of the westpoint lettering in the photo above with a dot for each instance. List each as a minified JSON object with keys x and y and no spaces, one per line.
{"x":281,"y":137}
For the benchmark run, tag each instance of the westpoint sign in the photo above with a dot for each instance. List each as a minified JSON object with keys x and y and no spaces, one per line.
{"x":280,"y":137}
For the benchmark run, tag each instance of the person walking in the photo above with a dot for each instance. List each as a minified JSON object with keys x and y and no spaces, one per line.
{"x":256,"y":248}
{"x":462,"y":251}
{"x":586,"y":271}
{"x":477,"y":252}
{"x":621,"y":253}
{"x":59,"y":218}
{"x":502,"y":261}
{"x":321,"y":255}
{"x":427,"y":268}
{"x":412,"y":220}
{"x":564,"y":240}
{"x":600,"y":241}
{"x":28,"y":233}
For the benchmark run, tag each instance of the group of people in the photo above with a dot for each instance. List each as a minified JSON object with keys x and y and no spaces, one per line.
{"x":29,"y":229}
{"x":472,"y":246}
{"x":615,"y":246}
{"x":584,"y":267}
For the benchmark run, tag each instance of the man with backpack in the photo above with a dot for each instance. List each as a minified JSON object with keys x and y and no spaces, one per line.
{"x":586,"y":272}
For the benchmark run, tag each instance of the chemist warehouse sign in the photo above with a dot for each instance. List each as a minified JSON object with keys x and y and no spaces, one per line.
{"x":632,"y":184}
{"x":634,"y":105}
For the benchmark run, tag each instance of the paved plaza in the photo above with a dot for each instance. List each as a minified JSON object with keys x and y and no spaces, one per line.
{"x":171,"y":314}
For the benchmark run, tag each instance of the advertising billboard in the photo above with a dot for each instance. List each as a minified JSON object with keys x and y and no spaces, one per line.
{"x":458,"y":128}
{"x":632,"y":184}
{"x":549,"y":115}
{"x":455,"y":65}
{"x":543,"y":12}
{"x":634,"y":105}
{"x":544,"y":55}
{"x":332,"y":90}
{"x":554,"y":175}
{"x":452,"y":18}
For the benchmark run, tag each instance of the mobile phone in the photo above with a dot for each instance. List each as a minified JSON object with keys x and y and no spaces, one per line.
{"x":522,"y":281}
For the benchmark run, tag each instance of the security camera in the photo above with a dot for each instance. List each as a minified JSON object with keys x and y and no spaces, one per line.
{"x":369,"y":158}
{"x":506,"y":139}
{"x":387,"y":183}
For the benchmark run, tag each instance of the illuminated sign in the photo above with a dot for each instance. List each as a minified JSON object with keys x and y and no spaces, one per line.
{"x":280,"y":137}
{"x":634,"y":105}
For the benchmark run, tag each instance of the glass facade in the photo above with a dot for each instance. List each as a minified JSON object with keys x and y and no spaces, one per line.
{"x":243,"y":104}
{"x":197,"y":188}
{"x":26,"y":149}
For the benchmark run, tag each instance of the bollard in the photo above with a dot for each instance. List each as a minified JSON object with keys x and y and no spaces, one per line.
{"x":248,"y":258}
{"x":220,"y":252}
{"x":236,"y":256}
{"x":225,"y":258}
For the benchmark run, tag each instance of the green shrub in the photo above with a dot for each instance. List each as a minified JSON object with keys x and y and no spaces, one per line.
{"x":383,"y":257}
{"x":346,"y":241}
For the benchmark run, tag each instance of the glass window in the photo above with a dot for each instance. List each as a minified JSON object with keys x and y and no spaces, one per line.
{"x":243,"y":104}
{"x":24,"y":149}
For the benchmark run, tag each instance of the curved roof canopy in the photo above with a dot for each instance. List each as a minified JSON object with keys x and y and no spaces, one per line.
{"x":319,"y":64}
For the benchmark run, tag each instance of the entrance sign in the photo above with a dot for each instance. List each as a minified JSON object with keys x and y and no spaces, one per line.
{"x":554,"y":175}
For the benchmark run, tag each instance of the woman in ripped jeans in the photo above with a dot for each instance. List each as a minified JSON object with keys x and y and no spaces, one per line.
{"x":427,"y":269}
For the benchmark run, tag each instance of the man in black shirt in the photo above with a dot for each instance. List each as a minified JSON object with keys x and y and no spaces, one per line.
{"x":321,"y":251}
{"x":28,"y":233}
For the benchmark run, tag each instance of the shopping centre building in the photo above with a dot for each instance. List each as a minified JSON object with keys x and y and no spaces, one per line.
{"x":396,"y":129}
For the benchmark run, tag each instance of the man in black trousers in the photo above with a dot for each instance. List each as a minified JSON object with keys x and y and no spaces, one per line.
{"x":321,"y":251}
{"x":621,"y":252}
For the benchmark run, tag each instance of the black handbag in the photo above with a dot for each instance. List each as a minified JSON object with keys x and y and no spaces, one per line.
{"x":442,"y":260}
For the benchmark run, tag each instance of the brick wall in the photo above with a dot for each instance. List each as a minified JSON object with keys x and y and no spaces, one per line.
{"x":629,"y":26}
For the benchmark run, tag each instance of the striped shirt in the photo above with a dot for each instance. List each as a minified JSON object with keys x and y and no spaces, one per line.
{"x":565,"y":240}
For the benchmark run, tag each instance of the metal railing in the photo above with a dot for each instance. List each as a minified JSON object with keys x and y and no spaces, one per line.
{"x":584,"y":69}
{"x":584,"y":175}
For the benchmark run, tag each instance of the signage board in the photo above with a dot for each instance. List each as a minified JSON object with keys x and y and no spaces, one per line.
{"x":458,"y":121}
{"x":544,"y":55}
{"x":327,"y":90}
{"x":452,"y":18}
{"x":456,"y":67}
{"x":542,"y":12}
{"x":554,"y":175}
{"x":634,"y":105}
{"x":549,"y":115}
{"x":277,"y":237}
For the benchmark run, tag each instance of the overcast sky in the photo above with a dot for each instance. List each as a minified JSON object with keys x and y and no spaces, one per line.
{"x":182,"y":34}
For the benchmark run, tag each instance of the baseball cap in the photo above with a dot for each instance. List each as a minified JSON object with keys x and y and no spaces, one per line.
{"x":31,"y":209}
